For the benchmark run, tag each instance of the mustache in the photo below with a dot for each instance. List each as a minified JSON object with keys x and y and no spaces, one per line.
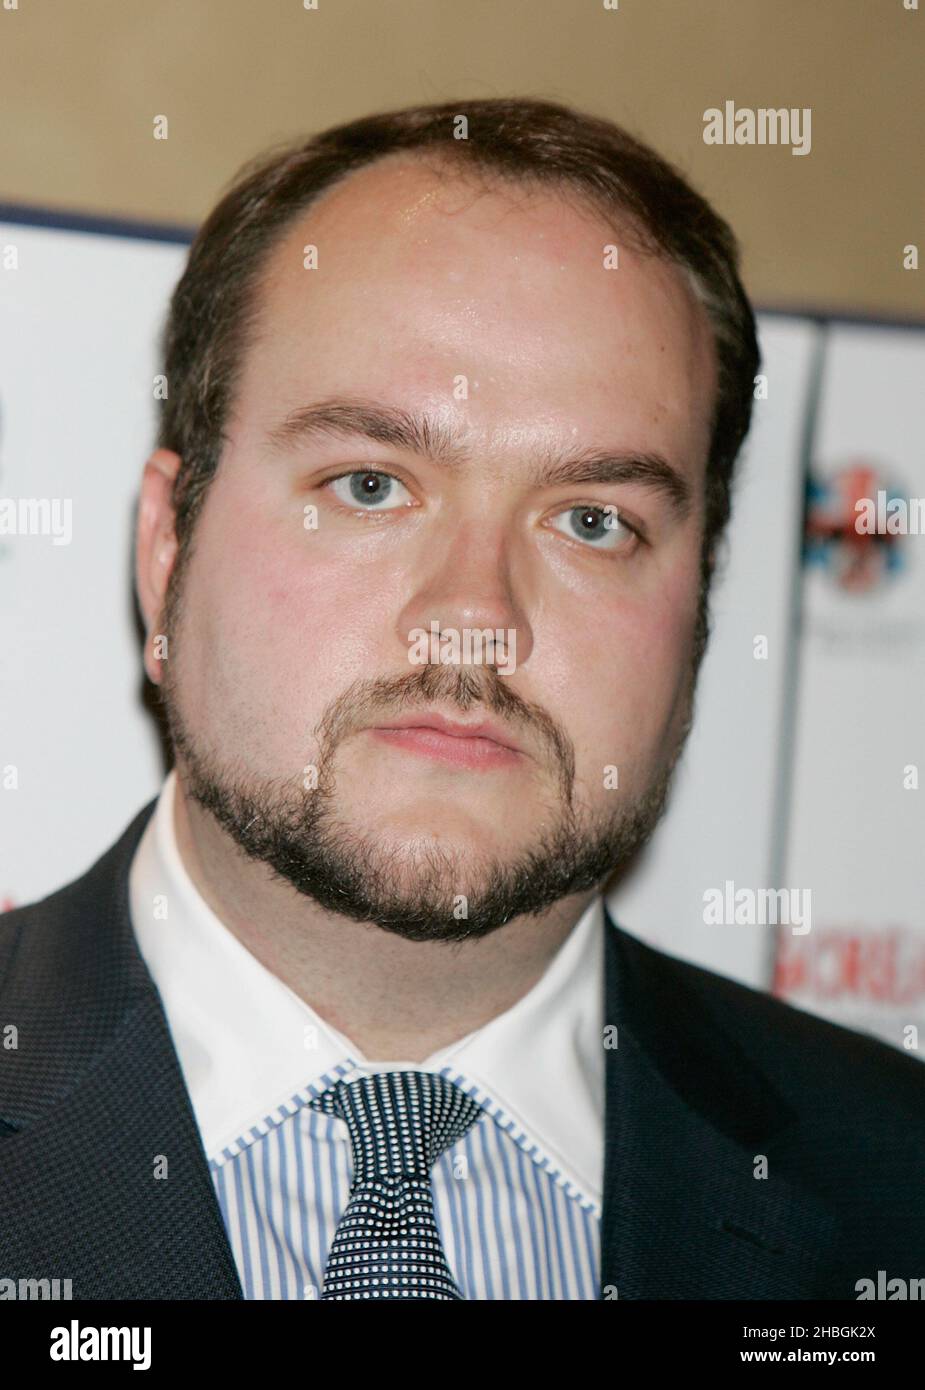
{"x":465,"y":687}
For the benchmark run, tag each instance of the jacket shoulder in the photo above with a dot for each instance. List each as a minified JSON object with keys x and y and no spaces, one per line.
{"x":107,"y":861}
{"x":804,"y":1056}
{"x":53,"y":948}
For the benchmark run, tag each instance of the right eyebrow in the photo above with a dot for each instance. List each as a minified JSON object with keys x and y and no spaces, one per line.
{"x":346,"y":417}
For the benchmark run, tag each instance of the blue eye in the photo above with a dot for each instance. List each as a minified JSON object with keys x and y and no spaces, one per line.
{"x":369,"y":491}
{"x":600,"y":526}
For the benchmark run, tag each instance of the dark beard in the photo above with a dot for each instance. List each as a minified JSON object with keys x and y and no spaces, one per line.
{"x":300,"y":837}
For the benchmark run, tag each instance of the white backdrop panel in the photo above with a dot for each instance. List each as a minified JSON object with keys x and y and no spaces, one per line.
{"x":857,"y":832}
{"x":78,"y":326}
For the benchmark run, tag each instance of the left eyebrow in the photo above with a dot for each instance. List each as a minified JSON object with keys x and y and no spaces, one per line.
{"x":599,"y":466}
{"x":429,"y":437}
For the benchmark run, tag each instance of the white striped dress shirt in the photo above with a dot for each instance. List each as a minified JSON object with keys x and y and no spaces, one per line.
{"x":517,"y":1199}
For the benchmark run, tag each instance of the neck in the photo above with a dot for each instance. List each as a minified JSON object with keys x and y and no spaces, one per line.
{"x":395,"y":1000}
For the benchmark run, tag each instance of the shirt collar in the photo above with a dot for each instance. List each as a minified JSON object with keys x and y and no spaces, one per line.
{"x":247,"y":1044}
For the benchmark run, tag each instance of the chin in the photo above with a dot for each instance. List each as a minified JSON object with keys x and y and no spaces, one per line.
{"x":465,"y":842}
{"x":469,"y":821}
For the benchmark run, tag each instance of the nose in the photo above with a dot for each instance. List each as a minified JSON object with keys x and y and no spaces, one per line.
{"x":467,"y":595}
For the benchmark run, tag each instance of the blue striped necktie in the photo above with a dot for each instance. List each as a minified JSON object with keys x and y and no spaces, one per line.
{"x":387,"y":1245}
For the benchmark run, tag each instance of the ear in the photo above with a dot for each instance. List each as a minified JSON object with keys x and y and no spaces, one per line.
{"x":155,"y":546}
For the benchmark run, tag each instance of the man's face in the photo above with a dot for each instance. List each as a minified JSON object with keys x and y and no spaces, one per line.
{"x":294,"y":640}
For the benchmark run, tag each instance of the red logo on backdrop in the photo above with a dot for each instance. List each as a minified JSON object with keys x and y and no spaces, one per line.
{"x":872,"y":967}
{"x":858,"y":561}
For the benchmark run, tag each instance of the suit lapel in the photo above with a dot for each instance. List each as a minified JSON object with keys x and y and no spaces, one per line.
{"x":100,"y":1153}
{"x":120,"y":1197}
{"x":686,"y":1118}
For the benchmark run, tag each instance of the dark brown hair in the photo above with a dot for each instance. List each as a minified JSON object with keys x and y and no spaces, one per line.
{"x":519,"y":139}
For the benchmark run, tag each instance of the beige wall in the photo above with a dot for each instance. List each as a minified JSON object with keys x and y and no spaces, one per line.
{"x":82,"y":80}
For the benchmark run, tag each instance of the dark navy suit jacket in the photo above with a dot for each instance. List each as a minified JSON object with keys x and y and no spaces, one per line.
{"x":706,"y":1078}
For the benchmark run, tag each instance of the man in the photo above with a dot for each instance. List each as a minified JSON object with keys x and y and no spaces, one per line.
{"x":423,"y":557}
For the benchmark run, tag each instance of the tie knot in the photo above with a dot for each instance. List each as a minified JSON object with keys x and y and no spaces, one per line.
{"x":400,"y":1122}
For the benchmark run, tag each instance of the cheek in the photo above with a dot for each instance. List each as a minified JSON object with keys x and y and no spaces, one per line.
{"x":282,"y":585}
{"x":617,"y":682}
{"x":275,"y":631}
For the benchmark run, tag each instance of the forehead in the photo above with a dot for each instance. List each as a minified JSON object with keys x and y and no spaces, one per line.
{"x":426,"y":278}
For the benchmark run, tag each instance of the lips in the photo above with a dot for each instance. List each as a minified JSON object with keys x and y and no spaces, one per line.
{"x":482,"y":747}
{"x":486,"y":729}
